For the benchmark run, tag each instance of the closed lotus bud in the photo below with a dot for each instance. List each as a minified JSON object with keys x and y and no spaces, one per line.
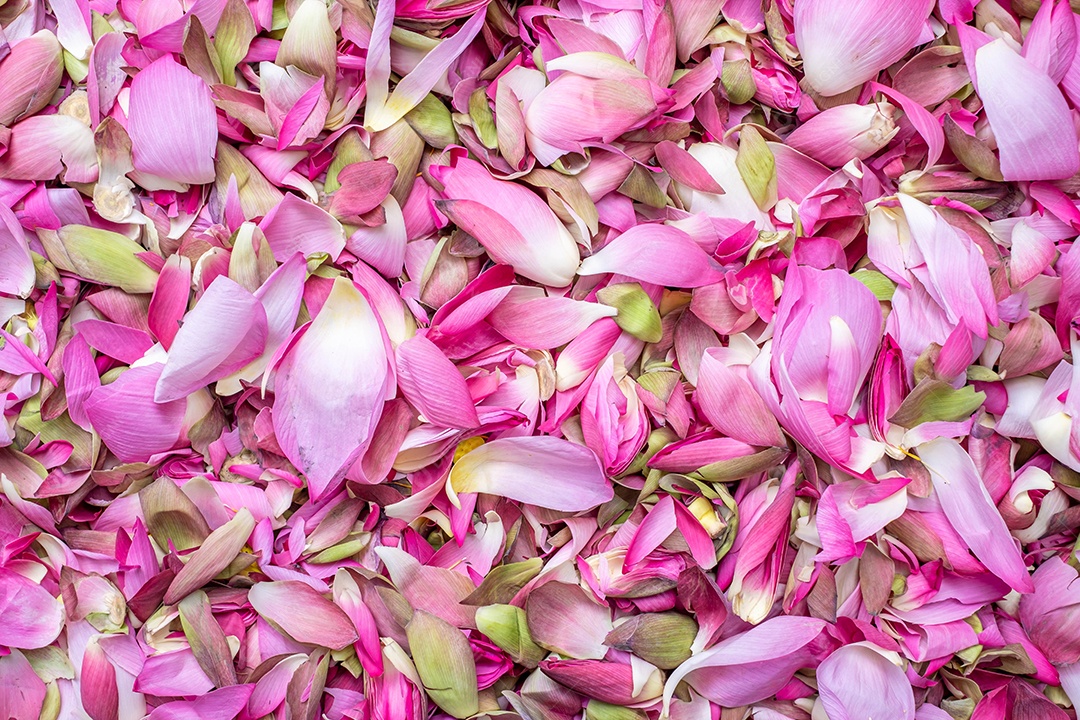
{"x":508,"y":628}
{"x":662,"y":639}
{"x":29,"y":76}
{"x":845,"y":133}
{"x":613,"y":419}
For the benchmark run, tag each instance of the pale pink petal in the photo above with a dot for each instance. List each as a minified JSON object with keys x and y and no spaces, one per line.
{"x":1028,"y":114}
{"x":172,"y":123}
{"x":544,"y":471}
{"x":336,"y":368}
{"x":972,"y":513}
{"x":16,"y":264}
{"x":844,"y":43}
{"x":24,"y":692}
{"x":857,"y":682}
{"x":512,"y":223}
{"x":530,"y":318}
{"x":750,"y":666}
{"x":225,"y":330}
{"x":33,"y":618}
{"x":295,"y":226}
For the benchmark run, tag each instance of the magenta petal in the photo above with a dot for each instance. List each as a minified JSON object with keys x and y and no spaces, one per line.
{"x":433,"y":384}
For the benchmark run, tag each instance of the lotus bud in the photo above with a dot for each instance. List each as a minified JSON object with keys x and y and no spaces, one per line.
{"x":508,"y":628}
{"x":29,"y":76}
{"x":845,"y":133}
{"x":445,"y":663}
{"x":662,"y":639}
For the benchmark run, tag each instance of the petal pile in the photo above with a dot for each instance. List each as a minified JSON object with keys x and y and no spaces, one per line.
{"x":546,"y":360}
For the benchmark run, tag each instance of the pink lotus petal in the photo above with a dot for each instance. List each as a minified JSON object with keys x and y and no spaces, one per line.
{"x":433,"y":385}
{"x":130,"y":423}
{"x":222,"y":333}
{"x":749,"y":666}
{"x":24,"y":691}
{"x":335,"y":367}
{"x":971,"y":511}
{"x":304,"y":614}
{"x":846,"y":43}
{"x":1027,"y":125}
{"x":296,"y":226}
{"x":858,"y":681}
{"x":658,"y":254}
{"x":33,"y":618}
{"x":512,"y":223}
{"x":542,"y":471}
{"x":172,"y":123}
